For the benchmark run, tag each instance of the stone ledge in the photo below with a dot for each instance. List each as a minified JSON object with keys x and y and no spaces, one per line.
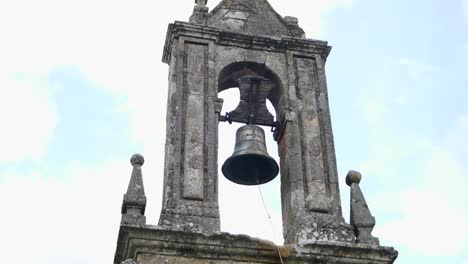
{"x":153,"y":244}
{"x":229,"y":38}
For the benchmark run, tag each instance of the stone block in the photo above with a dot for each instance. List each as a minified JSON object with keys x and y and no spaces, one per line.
{"x":153,"y":245}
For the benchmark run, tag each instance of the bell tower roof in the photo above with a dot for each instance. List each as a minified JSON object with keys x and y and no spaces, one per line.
{"x":253,"y":17}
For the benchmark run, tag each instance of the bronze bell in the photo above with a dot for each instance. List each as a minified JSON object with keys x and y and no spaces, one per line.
{"x":250,"y":163}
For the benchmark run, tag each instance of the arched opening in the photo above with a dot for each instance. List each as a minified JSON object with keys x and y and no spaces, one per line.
{"x":232,"y":72}
{"x":245,"y":208}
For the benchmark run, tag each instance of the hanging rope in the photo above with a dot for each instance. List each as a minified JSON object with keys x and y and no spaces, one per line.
{"x":269,"y":220}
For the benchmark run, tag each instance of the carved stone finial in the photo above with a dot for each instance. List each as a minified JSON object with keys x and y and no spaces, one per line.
{"x":134,"y":201}
{"x":137,"y":159}
{"x":361,"y":217}
{"x":353,"y":177}
{"x":201,"y":2}
{"x":293,"y":27}
{"x":290,"y":20}
{"x":200,"y":12}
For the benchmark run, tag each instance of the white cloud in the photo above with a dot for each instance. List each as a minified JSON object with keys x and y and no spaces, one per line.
{"x":429,"y":215}
{"x":28,"y":115}
{"x":76,"y":219}
{"x":418,"y":70}
{"x":422,"y":180}
{"x":117,"y":46}
{"x":311,"y":14}
{"x":70,"y":220}
{"x":375,"y":112}
{"x":434,"y":215}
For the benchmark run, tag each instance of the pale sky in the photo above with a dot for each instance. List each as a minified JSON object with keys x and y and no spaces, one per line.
{"x":83,"y":88}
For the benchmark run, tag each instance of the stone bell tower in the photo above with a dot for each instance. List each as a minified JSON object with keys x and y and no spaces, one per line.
{"x":245,"y":44}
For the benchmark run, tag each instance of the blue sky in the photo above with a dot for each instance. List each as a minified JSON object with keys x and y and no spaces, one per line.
{"x":83,"y":88}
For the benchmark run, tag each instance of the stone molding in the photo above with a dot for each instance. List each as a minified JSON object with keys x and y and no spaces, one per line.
{"x":152,"y":244}
{"x":227,"y":38}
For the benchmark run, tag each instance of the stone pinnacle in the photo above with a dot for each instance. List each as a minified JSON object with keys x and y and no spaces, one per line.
{"x":353,"y":177}
{"x":137,"y":159}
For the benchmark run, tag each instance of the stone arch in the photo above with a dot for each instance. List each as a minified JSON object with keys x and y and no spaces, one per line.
{"x":230,"y":73}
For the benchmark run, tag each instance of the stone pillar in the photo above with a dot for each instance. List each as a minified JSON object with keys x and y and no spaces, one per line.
{"x":310,"y":192}
{"x":190,"y":179}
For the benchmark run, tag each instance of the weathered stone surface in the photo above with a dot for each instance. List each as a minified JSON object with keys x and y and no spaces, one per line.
{"x":200,"y":12}
{"x":218,"y":51}
{"x":134,"y":201}
{"x":153,"y":245}
{"x":293,"y":27}
{"x":254,"y":17}
{"x":308,"y":167}
{"x":190,"y":199}
{"x":361,"y":218}
{"x":130,"y":261}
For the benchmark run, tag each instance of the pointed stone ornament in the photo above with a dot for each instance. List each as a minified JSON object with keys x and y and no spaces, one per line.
{"x":200,"y":12}
{"x":361,"y":217}
{"x":134,"y":201}
{"x":293,"y":27}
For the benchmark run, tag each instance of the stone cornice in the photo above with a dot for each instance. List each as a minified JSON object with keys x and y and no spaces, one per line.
{"x":227,"y":38}
{"x":136,"y":240}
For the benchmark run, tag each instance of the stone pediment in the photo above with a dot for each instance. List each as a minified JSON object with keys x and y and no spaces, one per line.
{"x":253,"y":17}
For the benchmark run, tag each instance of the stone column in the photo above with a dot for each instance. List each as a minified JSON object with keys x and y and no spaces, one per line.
{"x":310,"y":194}
{"x":327,"y":137}
{"x":190,"y":181}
